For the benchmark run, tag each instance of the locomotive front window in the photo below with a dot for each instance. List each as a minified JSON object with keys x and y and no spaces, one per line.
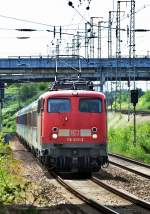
{"x":90,"y":105}
{"x":59,"y":105}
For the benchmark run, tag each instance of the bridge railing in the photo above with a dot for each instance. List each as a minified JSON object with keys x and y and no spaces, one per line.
{"x":69,"y":56}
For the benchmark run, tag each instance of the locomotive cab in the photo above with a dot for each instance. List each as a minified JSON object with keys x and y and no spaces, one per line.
{"x":74,"y":130}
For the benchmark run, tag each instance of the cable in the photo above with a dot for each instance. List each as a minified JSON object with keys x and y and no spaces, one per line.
{"x":46,"y":30}
{"x":24,"y":20}
{"x":38,"y":23}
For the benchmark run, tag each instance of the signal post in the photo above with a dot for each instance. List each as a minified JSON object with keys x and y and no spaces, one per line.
{"x":134,"y":101}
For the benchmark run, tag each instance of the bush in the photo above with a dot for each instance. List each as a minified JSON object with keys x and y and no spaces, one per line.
{"x":27,"y":91}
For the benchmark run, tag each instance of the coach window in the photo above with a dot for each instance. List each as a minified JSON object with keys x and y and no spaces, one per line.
{"x":90,"y":105}
{"x":59,"y":105}
{"x":34,"y":119}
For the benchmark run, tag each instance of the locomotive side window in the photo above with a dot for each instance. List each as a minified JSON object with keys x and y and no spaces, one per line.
{"x":90,"y":105}
{"x":59,"y":105}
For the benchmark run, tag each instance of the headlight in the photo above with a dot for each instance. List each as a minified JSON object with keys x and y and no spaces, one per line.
{"x":94,"y":136}
{"x":54,"y":136}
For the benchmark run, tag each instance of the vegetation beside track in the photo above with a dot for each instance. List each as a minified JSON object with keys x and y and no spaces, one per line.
{"x":144,"y":102}
{"x":121,"y":131}
{"x":17,"y":96}
{"x":121,"y":141}
{"x":22,"y":191}
{"x":11,"y":185}
{"x":123,"y":99}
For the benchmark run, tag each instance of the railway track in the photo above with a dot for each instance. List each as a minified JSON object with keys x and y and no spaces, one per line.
{"x":122,"y":193}
{"x":130,"y":165}
{"x":138,"y":112}
{"x":82,"y":196}
{"x":102,"y":197}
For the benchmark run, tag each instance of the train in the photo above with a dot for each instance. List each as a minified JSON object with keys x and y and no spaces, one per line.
{"x":66,"y":127}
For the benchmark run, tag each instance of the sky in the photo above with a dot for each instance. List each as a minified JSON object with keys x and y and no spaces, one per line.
{"x":49,"y":12}
{"x":20,"y":14}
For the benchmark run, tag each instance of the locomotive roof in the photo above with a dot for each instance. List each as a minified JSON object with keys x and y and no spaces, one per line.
{"x":71,"y":93}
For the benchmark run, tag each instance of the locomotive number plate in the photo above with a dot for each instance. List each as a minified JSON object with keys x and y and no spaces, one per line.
{"x":75,"y":133}
{"x":74,"y":139}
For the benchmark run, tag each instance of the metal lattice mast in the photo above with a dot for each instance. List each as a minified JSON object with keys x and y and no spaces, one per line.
{"x":132,"y":30}
{"x":57,"y":48}
{"x":119,"y":51}
{"x":132,"y":37}
{"x":110,"y":43}
{"x":118,"y":48}
{"x":132,"y":34}
{"x":78,"y":44}
{"x":73,"y":46}
{"x":99,"y":48}
{"x":131,"y":49}
{"x":109,"y":36}
{"x":86,"y":40}
{"x":92,"y":39}
{"x":132,"y":55}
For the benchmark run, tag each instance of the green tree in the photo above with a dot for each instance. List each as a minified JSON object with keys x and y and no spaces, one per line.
{"x":27,"y":91}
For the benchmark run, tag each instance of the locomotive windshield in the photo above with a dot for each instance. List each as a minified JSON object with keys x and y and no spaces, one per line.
{"x":90,"y":105}
{"x":59,"y":105}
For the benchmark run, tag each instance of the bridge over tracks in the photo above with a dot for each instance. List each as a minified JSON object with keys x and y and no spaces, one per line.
{"x":20,"y":69}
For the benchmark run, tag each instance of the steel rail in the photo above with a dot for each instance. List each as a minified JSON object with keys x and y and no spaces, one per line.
{"x":138,"y":112}
{"x":84,"y":198}
{"x":130,"y":169}
{"x":122,"y":194}
{"x":129,"y":160}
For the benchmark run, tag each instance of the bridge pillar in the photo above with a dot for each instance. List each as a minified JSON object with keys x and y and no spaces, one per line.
{"x":102,"y":80}
{"x":102,"y":86}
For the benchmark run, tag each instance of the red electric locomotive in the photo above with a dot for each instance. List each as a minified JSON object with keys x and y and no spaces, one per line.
{"x":67,"y":127}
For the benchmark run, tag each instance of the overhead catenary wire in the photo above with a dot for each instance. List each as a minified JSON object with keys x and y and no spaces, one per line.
{"x":41,"y":30}
{"x":35,"y":22}
{"x":49,"y":25}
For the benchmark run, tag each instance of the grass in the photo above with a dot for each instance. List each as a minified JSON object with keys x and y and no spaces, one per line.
{"x":142,"y":105}
{"x":121,"y":141}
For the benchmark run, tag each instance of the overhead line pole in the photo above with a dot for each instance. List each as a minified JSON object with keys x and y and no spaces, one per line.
{"x":118,"y":48}
{"x":110,"y":45}
{"x":92,"y":39}
{"x":86,"y":40}
{"x":131,"y":50}
{"x":110,"y":35}
{"x":99,"y":49}
{"x":132,"y":54}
